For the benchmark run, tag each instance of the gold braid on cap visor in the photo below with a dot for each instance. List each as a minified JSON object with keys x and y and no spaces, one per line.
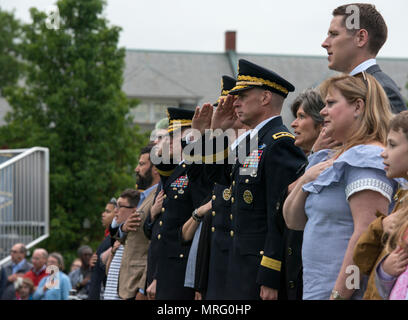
{"x":245,"y":81}
{"x":175,"y":124}
{"x":224,"y":93}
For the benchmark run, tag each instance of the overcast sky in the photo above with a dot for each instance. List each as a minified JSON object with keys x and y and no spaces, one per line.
{"x":263,"y":26}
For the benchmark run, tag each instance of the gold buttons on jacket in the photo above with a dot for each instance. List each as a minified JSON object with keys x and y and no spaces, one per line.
{"x":261,"y":252}
{"x":183,"y":165}
{"x":163,"y":209}
{"x":214,"y":197}
{"x":232,"y":200}
{"x":181,"y":255}
{"x":165,"y":196}
{"x":160,"y":223}
{"x":213,"y":229}
{"x":158,"y":236}
{"x":176,"y":196}
{"x":213,"y":213}
{"x":231,"y":216}
{"x":246,"y":180}
{"x":231,"y":233}
{"x":233,"y":183}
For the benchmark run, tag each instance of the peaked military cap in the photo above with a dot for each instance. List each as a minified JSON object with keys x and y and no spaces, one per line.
{"x":179,"y":118}
{"x":227,"y":83}
{"x":251,"y":76}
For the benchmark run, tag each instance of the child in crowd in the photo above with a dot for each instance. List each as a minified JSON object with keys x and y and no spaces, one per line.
{"x":25,"y":289}
{"x":370,"y":249}
{"x":392,"y":272}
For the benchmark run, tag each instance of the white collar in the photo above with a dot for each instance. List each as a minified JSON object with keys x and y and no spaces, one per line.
{"x":363,"y":66}
{"x":239,"y":139}
{"x":260,"y":126}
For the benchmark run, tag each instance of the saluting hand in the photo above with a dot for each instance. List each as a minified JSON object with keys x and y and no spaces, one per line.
{"x":202,"y":117}
{"x":224,"y":115}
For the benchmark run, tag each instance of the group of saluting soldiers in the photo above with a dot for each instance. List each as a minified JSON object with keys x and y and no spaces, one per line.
{"x":225,"y":229}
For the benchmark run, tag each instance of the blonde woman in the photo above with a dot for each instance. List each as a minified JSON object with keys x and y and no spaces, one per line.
{"x":342,"y":189}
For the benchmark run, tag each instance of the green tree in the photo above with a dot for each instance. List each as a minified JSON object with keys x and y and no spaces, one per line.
{"x":10,"y":29}
{"x":71,"y":102}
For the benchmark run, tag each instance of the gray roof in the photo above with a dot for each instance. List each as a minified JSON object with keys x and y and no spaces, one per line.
{"x":193,"y":78}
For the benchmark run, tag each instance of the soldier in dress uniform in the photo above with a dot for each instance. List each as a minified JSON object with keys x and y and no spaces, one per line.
{"x":215,"y":243}
{"x":258,"y":182}
{"x":181,"y":197}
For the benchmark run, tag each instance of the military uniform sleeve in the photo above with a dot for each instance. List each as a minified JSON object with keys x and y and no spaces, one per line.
{"x":210,"y":156}
{"x":283,"y":165}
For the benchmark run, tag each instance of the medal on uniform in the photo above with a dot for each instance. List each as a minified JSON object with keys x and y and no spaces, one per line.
{"x":226,"y":194}
{"x":180,"y":184}
{"x":253,"y":159}
{"x":248,"y":198}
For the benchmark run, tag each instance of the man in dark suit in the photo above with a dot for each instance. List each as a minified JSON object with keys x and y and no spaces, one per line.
{"x":258,"y":181}
{"x":356,"y":34}
{"x":17,"y":268}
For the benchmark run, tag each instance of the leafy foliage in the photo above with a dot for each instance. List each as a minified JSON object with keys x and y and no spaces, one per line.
{"x":72,"y":103}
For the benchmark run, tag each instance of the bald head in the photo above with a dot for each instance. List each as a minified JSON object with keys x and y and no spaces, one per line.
{"x":39,"y":258}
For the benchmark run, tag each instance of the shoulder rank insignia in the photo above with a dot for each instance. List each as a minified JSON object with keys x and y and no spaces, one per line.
{"x":282,"y":134}
{"x":248,"y":198}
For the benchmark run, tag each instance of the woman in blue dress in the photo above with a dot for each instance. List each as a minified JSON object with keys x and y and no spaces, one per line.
{"x":343,"y":188}
{"x":57,"y":285}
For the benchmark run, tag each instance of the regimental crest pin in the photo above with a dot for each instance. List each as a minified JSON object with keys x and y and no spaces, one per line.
{"x":248,"y":198}
{"x":226,"y":194}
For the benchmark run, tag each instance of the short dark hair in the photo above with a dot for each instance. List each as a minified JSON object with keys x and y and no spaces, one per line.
{"x":312,"y":103}
{"x":132,"y":195}
{"x":370,"y":20}
{"x":147,"y":149}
